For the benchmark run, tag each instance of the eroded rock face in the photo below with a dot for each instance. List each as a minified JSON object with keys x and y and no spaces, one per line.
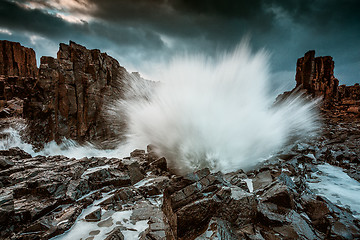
{"x":66,"y":97}
{"x":69,"y":97}
{"x":16,"y":60}
{"x":349,"y":97}
{"x":316,"y":75}
{"x":18,"y":73}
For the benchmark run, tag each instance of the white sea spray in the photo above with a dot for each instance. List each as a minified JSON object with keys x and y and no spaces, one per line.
{"x":214,"y":112}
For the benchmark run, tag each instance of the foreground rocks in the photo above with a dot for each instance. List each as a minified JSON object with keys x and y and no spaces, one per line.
{"x":138,"y":198}
{"x":42,"y":197}
{"x":277,"y":209}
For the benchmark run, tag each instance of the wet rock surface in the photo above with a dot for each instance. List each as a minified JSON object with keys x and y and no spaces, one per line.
{"x":138,"y":198}
{"x":42,"y":197}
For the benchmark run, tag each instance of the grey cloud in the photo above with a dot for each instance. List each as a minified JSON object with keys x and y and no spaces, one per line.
{"x":35,"y":21}
{"x":15,"y":17}
{"x":154,"y":30}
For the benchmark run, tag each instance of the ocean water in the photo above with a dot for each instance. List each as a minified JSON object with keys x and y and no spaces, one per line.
{"x":68,"y":148}
{"x":334,"y":184}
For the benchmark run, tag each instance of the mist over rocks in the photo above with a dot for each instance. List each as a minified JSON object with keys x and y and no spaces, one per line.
{"x":217,"y":113}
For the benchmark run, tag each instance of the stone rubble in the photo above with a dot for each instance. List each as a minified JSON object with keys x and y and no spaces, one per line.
{"x":138,"y":198}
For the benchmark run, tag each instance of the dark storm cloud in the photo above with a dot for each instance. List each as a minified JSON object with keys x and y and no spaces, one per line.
{"x":225,"y":22}
{"x":97,"y":33}
{"x":15,"y":17}
{"x":152,"y":30}
{"x":187,"y":18}
{"x":314,"y":13}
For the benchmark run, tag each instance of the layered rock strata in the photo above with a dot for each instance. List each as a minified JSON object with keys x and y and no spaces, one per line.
{"x":16,"y":60}
{"x":316,"y":75}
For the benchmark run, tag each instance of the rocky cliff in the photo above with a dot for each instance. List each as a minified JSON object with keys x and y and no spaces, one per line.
{"x":138,"y":197}
{"x":16,"y":60}
{"x":65,"y":96}
{"x":18,"y":73}
{"x":70,"y":93}
{"x":315,"y":75}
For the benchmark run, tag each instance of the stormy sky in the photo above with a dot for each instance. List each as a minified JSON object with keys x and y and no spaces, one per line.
{"x":143,"y":34}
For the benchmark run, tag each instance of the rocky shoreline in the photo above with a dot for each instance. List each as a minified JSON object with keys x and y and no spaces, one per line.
{"x":138,"y":197}
{"x":42,"y":197}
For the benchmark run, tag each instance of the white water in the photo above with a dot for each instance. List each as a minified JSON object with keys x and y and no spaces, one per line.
{"x":13,"y":139}
{"x":68,"y":148}
{"x":333,"y":183}
{"x":214,"y":113}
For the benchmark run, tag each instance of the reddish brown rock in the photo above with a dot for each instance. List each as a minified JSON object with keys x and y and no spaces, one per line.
{"x":18,"y":72}
{"x":316,"y":75}
{"x":349,"y":98}
{"x":65,"y":97}
{"x":69,"y":97}
{"x":16,"y":60}
{"x":94,"y":216}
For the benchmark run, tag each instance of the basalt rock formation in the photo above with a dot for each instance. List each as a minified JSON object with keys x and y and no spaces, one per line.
{"x":65,"y":97}
{"x":70,"y":93}
{"x":315,"y":75}
{"x":16,"y":60}
{"x":18,"y":74}
{"x":138,"y":197}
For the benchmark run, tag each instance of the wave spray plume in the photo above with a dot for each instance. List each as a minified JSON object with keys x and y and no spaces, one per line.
{"x":215,"y":113}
